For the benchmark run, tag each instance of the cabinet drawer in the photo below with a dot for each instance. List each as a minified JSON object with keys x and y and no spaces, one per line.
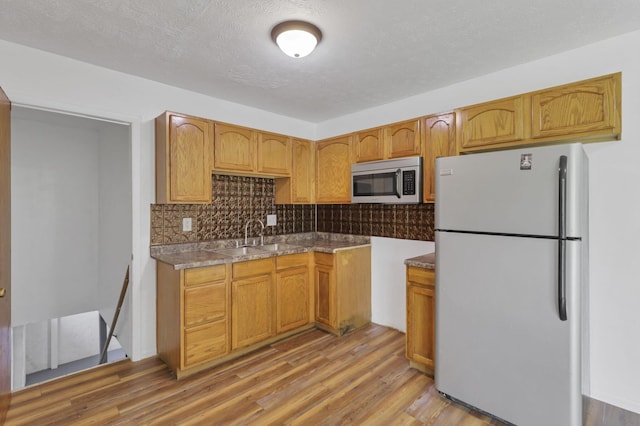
{"x":324,"y":259}
{"x":292,"y":260}
{"x":205,"y":342}
{"x":253,"y":267}
{"x":203,"y":275}
{"x":421,"y":275}
{"x":205,"y":303}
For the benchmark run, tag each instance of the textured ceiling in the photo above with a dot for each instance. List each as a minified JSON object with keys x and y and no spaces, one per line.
{"x":372,"y":52}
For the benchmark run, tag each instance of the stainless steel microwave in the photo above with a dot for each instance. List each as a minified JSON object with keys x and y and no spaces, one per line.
{"x":397,"y":181}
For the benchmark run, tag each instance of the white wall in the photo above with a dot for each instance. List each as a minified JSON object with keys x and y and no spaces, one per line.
{"x":614,"y":197}
{"x":114,"y":221}
{"x":37,"y":78}
{"x":54,"y":212}
{"x":388,"y":278}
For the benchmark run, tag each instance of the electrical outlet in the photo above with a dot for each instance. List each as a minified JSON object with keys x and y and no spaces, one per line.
{"x":272,"y":220}
{"x":186,"y":224}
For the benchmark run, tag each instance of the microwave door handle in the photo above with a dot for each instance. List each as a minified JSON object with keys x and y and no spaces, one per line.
{"x":397,"y":182}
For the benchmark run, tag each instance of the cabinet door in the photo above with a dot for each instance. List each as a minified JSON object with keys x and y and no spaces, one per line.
{"x":368,"y":145}
{"x":292,"y":299}
{"x":439,"y":141}
{"x":325,"y":288}
{"x":333,"y":170}
{"x":420,"y":324}
{"x":303,"y":172}
{"x":234,"y":148}
{"x":492,"y":123}
{"x":253,"y":308}
{"x":274,"y":154}
{"x":585,"y":109}
{"x":300,"y":188}
{"x":403,"y":139}
{"x":190,"y":149}
{"x":204,"y":343}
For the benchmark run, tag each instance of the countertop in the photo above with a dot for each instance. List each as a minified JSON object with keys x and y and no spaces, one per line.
{"x":427,"y":261}
{"x":194,"y":255}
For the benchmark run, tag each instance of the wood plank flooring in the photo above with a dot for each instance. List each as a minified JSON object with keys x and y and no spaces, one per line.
{"x":313,"y":378}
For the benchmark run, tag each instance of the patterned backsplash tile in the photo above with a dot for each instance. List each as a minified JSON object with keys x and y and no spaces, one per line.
{"x":236,"y":199}
{"x":404,"y":221}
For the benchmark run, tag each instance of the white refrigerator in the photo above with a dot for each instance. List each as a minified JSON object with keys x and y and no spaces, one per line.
{"x":512,"y":283}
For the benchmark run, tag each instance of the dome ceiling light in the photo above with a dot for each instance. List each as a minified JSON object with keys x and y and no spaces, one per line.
{"x":296,"y":38}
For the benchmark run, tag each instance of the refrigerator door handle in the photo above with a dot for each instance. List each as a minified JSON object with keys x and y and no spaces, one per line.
{"x":396,"y":183}
{"x":562,"y":241}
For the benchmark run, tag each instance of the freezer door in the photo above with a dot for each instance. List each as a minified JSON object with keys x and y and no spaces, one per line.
{"x":500,"y":345}
{"x":513,"y":191}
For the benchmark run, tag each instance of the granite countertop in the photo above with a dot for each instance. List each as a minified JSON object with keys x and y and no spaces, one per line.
{"x":427,"y":261}
{"x":194,"y":255}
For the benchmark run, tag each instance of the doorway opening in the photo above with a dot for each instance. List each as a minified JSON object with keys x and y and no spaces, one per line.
{"x":71,"y":236}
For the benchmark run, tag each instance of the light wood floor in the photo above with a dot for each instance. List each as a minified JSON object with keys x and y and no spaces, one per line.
{"x":311,"y":379}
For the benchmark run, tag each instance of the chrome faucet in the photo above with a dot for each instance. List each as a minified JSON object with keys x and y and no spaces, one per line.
{"x":246,"y":229}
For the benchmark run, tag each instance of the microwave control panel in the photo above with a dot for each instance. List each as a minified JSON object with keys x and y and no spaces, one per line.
{"x":408,"y":182}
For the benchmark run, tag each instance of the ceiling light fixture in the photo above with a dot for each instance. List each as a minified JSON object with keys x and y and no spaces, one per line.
{"x":296,"y":38}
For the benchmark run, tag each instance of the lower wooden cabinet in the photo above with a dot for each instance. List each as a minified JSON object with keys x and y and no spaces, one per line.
{"x":343,"y":289}
{"x":293,"y":295}
{"x":253,"y":302}
{"x":209,"y":315}
{"x":421,"y":318}
{"x":192,"y":316}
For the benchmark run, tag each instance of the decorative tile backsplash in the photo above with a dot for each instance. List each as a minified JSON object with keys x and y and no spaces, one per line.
{"x":236,"y":199}
{"x":404,"y":221}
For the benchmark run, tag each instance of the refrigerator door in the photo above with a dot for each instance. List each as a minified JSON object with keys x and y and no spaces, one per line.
{"x":500,"y":345}
{"x":514,"y":191}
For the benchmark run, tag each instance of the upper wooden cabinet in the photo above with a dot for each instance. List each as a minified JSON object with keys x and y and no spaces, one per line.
{"x":300,"y":188}
{"x":588,"y":109}
{"x":184,"y":148}
{"x":189,"y":149}
{"x":585,"y":111}
{"x":234,"y":148}
{"x":369,"y":145}
{"x":403,"y":139}
{"x":492,"y":123}
{"x":333,"y":170}
{"x":392,"y":141}
{"x":439,"y":141}
{"x":274,"y":154}
{"x":239,"y":149}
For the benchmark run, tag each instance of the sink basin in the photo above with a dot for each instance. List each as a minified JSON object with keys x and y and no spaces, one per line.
{"x":277,"y":246}
{"x":239,"y":251}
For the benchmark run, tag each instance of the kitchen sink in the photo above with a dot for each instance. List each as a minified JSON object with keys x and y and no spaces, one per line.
{"x":238,"y":251}
{"x":277,"y":246}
